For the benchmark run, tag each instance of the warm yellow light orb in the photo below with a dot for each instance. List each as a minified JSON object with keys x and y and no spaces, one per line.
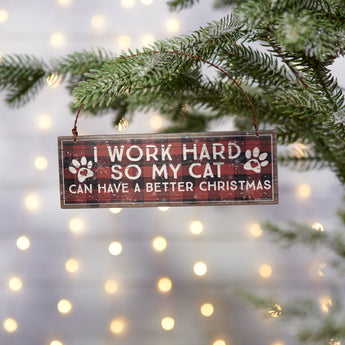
{"x":10,"y":325}
{"x":196,"y":227}
{"x":148,"y":39}
{"x":124,"y":41}
{"x":207,"y":309}
{"x":64,"y":2}
{"x":64,"y":306}
{"x":111,"y":287}
{"x":156,"y":122}
{"x":41,"y":163}
{"x":325,"y":303}
{"x":168,"y":323}
{"x":200,"y":268}
{"x":173,"y":25}
{"x":163,"y":208}
{"x":56,"y":39}
{"x":3,"y":16}
{"x":318,"y":226}
{"x":32,"y":202}
{"x":122,"y":125}
{"x":76,"y":225}
{"x":128,"y":3}
{"x":55,"y":342}
{"x":115,"y":248}
{"x":72,"y":265}
{"x":53,"y":80}
{"x":164,"y":284}
{"x":304,"y":191}
{"x":15,"y":284}
{"x":98,"y":21}
{"x":115,"y":210}
{"x":23,"y":243}
{"x":276,"y":311}
{"x":117,"y":326}
{"x":255,"y":230}
{"x":159,"y":243}
{"x":45,"y":122}
{"x":219,"y":342}
{"x":265,"y":271}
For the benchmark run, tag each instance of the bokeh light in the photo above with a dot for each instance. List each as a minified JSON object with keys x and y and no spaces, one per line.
{"x":318,"y":226}
{"x":168,"y":323}
{"x":164,"y":284}
{"x":156,"y":122}
{"x":128,"y":3}
{"x":23,"y":243}
{"x":196,"y":227}
{"x":10,"y":325}
{"x":200,"y":268}
{"x":304,"y":191}
{"x":115,"y":248}
{"x":265,"y":271}
{"x":53,"y":80}
{"x":76,"y":225}
{"x":276,"y":311}
{"x":72,"y":265}
{"x":122,"y":125}
{"x":163,"y":208}
{"x":115,"y":210}
{"x":146,"y":2}
{"x":56,"y":39}
{"x":148,"y":39}
{"x":219,"y":342}
{"x":64,"y":2}
{"x":325,"y":303}
{"x":207,"y":309}
{"x":159,"y":243}
{"x":64,"y":306}
{"x":98,"y":22}
{"x":41,"y":163}
{"x":45,"y":122}
{"x":255,"y":230}
{"x":117,"y":326}
{"x":124,"y":41}
{"x":55,"y":342}
{"x":15,"y":284}
{"x":32,"y":202}
{"x":111,"y":287}
{"x":173,"y":25}
{"x":3,"y":16}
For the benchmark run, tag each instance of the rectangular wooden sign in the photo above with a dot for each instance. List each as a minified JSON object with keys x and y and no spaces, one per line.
{"x":214,"y":168}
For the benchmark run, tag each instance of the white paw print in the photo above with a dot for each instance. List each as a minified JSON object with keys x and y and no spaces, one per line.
{"x":258,"y":160}
{"x":82,"y":168}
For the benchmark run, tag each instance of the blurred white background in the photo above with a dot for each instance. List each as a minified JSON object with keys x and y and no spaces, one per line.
{"x":48,"y":254}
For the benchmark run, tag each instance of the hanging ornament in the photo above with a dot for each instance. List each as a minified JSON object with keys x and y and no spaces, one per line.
{"x":216,"y":168}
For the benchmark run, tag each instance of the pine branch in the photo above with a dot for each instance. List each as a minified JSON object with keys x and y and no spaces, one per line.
{"x":180,"y":4}
{"x":292,"y":234}
{"x":313,"y":322}
{"x":22,"y":76}
{"x":302,"y":164}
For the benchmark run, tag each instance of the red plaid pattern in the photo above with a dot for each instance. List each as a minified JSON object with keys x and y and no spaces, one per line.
{"x":216,"y":168}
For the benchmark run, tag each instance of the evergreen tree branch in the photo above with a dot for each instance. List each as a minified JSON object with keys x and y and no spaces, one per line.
{"x":22,"y":76}
{"x":180,"y":4}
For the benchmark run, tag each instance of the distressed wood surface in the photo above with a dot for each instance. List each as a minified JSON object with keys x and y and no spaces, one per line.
{"x":188,"y":169}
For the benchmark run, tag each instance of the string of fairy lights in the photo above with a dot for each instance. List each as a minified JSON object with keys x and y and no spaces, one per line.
{"x":164,"y":285}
